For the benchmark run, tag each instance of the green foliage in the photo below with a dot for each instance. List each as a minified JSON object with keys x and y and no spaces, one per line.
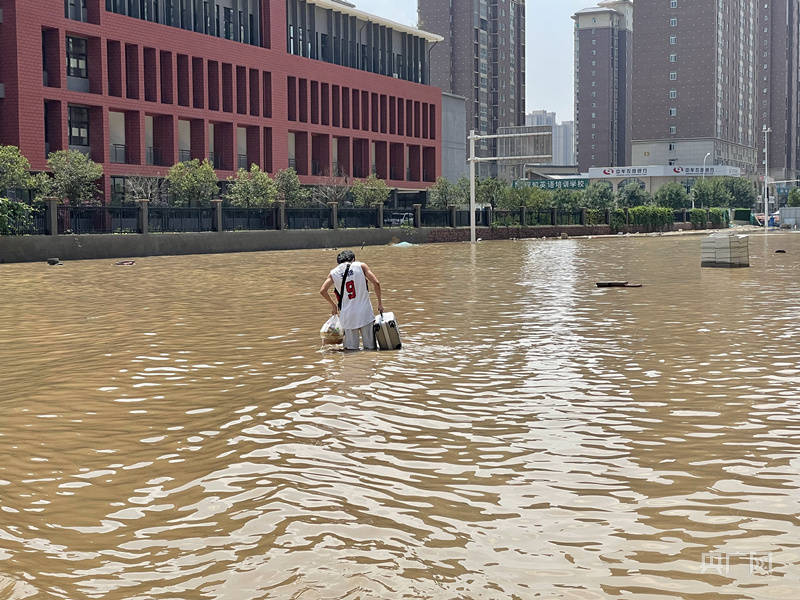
{"x":567,"y":199}
{"x":674,"y":196}
{"x":794,"y":197}
{"x":493,"y":192}
{"x":289,"y":190}
{"x":253,"y":188}
{"x":719,"y":217}
{"x":711,"y":192}
{"x":599,"y":196}
{"x":618,"y":221}
{"x":443,"y":193}
{"x":370,"y":192}
{"x":698,"y":218}
{"x":192,"y":182}
{"x":74,"y":178}
{"x":633,"y":195}
{"x":653,"y":218}
{"x":741,"y":190}
{"x":15,"y":217}
{"x":742,"y":214}
{"x":14,"y":169}
{"x":595,"y":216}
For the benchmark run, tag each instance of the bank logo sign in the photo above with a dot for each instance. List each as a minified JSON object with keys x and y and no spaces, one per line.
{"x":665,"y":171}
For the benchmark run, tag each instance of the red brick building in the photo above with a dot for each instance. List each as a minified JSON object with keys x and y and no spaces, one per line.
{"x":142,"y":84}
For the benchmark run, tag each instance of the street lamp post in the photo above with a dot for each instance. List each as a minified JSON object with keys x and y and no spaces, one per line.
{"x":703,"y":176}
{"x":767,"y":131}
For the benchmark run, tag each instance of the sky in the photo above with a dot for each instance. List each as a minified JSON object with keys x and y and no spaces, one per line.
{"x":548,"y":47}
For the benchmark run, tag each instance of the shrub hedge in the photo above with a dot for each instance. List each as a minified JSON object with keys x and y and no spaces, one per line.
{"x":15,"y":217}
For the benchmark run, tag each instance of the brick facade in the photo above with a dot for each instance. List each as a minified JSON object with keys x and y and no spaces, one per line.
{"x":182,"y":94}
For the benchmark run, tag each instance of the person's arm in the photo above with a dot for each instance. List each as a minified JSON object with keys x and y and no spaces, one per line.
{"x":325,"y":293}
{"x":371,"y":277}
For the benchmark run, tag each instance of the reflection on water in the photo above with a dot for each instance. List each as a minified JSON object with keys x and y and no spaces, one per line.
{"x":173,"y":430}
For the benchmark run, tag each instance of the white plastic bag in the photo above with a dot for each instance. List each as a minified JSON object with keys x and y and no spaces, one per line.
{"x":332,"y":332}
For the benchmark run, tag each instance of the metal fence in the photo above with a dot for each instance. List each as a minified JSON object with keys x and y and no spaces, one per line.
{"x":248,"y":219}
{"x":98,"y":219}
{"x":506,"y":217}
{"x":462,"y":218}
{"x":435,"y":218}
{"x":357,"y":217}
{"x":33,"y":224}
{"x":308,"y":218}
{"x":170,"y":219}
{"x":568,"y":217}
{"x":535,"y":218}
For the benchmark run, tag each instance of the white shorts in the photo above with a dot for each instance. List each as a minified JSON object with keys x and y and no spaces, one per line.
{"x":351,"y":341}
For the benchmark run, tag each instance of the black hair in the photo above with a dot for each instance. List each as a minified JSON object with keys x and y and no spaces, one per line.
{"x":345,"y":256}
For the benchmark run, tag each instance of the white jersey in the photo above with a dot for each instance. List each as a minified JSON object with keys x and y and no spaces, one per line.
{"x":356,"y":307}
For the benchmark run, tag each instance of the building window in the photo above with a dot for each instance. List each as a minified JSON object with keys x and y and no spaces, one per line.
{"x":75,"y":10}
{"x":673,"y":129}
{"x":673,"y":94}
{"x":228,"y":23}
{"x":76,"y":57}
{"x":673,"y":22}
{"x":673,"y":58}
{"x":673,"y":112}
{"x":78,"y":126}
{"x":673,"y":3}
{"x":673,"y":39}
{"x":672,"y":146}
{"x":673,"y":76}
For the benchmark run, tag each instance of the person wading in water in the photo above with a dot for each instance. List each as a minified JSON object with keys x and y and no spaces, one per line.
{"x":349,"y":281}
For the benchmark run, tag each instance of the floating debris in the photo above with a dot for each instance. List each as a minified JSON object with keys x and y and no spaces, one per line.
{"x":608,"y":284}
{"x":54,"y":261}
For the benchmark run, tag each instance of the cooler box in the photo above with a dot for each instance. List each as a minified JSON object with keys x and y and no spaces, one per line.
{"x":387,"y":335}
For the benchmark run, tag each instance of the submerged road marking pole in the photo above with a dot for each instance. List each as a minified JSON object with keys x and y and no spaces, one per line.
{"x":472,"y":186}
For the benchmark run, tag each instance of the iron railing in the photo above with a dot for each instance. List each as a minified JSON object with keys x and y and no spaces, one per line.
{"x":308,"y":218}
{"x":171,"y":219}
{"x":184,"y":155}
{"x":357,"y":217}
{"x":98,"y":219}
{"x":435,"y":218}
{"x":118,"y":153}
{"x":248,"y":219}
{"x":241,"y":161}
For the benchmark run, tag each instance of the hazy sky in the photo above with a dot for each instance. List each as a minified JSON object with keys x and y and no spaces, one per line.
{"x":548,"y":47}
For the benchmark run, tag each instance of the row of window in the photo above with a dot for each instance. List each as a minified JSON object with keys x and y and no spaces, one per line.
{"x":169,"y":79}
{"x":326,"y":104}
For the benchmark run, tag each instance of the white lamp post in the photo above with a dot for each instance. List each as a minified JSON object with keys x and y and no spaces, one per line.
{"x":703,"y":176}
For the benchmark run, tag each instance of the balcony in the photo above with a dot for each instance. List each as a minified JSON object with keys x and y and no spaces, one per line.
{"x":118,"y":153}
{"x":153,"y":156}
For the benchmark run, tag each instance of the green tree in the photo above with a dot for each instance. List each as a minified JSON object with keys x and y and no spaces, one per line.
{"x":567,"y":200}
{"x":289,"y":189}
{"x":794,"y":197}
{"x":633,"y":195}
{"x":14,"y":170}
{"x":492,"y":191}
{"x":253,"y":188}
{"x":711,"y":192}
{"x":674,"y":196}
{"x":15,"y":217}
{"x":370,"y":192}
{"x":74,"y":178}
{"x":741,"y":189}
{"x":192,"y":182}
{"x":443,"y":193}
{"x":598,"y":195}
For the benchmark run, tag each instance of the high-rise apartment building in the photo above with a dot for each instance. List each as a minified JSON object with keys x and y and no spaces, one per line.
{"x":482,"y":58}
{"x":603,"y":49}
{"x":777,"y":61}
{"x":698,"y":80}
{"x":563,"y":135}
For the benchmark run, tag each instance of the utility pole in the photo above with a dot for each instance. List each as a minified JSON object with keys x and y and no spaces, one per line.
{"x":767,"y":131}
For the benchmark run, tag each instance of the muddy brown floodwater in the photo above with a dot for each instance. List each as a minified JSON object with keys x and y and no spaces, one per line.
{"x":172,"y":430}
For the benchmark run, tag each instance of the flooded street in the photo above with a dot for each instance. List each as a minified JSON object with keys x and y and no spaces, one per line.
{"x":172,"y":430}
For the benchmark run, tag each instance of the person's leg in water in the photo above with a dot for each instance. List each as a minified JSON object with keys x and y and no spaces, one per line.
{"x":368,"y":335}
{"x":351,"y":340}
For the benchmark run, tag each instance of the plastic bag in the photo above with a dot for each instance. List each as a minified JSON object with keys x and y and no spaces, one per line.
{"x":332,"y":332}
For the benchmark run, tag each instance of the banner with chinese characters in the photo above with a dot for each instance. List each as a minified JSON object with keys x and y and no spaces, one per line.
{"x":552,"y":184}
